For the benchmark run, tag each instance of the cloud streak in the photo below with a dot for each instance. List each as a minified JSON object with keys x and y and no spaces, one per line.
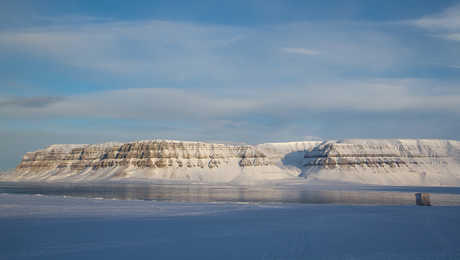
{"x":302,"y":51}
{"x":173,"y":51}
{"x":29,"y":102}
{"x":446,"y":24}
{"x":177,"y":104}
{"x":232,"y":82}
{"x":449,"y":19}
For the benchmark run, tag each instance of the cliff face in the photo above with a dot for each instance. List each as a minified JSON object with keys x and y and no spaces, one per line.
{"x":376,"y":154}
{"x":146,"y":154}
{"x":389,"y":162}
{"x":395,"y":162}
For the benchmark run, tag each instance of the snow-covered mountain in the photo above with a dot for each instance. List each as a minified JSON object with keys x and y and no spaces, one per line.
{"x":369,"y":161}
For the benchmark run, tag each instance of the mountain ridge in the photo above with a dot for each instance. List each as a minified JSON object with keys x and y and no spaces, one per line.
{"x":431,"y":162}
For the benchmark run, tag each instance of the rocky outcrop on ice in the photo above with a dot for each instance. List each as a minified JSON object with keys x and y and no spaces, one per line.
{"x":371,"y":161}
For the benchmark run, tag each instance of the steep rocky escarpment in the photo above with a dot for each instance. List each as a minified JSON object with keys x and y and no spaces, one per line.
{"x":384,"y":153}
{"x":144,"y":154}
{"x":390,"y":162}
{"x":372,"y":161}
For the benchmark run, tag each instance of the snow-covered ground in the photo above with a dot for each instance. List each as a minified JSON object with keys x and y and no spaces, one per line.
{"x":47,"y":227}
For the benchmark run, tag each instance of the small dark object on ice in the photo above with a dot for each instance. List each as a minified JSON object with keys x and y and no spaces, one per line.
{"x":422,"y":199}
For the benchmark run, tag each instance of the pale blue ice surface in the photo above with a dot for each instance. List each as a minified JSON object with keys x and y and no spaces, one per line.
{"x":46,"y":227}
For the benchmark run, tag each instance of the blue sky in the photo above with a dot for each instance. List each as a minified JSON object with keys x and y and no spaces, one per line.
{"x":238,"y":71}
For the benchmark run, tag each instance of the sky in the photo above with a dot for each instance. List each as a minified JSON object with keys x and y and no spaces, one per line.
{"x":247,"y":71}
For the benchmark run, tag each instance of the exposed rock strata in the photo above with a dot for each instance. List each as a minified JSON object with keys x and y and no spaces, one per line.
{"x":333,"y":154}
{"x":145,"y":154}
{"x":404,"y":162}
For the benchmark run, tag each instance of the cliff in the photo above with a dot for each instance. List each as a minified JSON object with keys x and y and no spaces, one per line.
{"x":388,"y":162}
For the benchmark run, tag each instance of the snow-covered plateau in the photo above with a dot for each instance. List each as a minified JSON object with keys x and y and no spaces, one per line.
{"x":418,"y":162}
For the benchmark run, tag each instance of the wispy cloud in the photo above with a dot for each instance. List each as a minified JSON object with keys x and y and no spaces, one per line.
{"x":449,"y":19}
{"x":302,"y":51}
{"x":224,"y":82}
{"x":162,"y":49}
{"x":176,"y":51}
{"x":138,"y":103}
{"x":177,"y":104}
{"x":446,"y":24}
{"x":29,"y":102}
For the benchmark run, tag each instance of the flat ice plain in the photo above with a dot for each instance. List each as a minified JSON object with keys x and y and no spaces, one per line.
{"x":52,"y":227}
